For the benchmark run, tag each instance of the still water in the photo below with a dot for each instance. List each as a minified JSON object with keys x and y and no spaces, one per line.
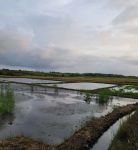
{"x":84,"y":85}
{"x":26,"y":80}
{"x":52,"y":116}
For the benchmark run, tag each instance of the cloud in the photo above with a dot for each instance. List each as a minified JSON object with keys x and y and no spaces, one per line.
{"x":10,"y":40}
{"x":70,"y":35}
{"x":17,"y":50}
{"x":120,"y":4}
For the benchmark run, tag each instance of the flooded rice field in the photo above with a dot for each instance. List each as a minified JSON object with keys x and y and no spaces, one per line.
{"x":84,"y":85}
{"x":27,"y":80}
{"x":52,"y":115}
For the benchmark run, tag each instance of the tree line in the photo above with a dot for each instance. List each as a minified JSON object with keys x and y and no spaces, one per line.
{"x":8,"y":72}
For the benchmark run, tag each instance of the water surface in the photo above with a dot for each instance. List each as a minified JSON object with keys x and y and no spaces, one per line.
{"x":27,"y":80}
{"x":84,"y":85}
{"x":52,"y":116}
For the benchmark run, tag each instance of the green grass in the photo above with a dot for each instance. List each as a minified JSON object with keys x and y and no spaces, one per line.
{"x":104,"y":95}
{"x":6,"y":101}
{"x":88,"y":97}
{"x":132,"y":87}
{"x":101,"y":97}
{"x":120,"y":93}
{"x":127,"y":135}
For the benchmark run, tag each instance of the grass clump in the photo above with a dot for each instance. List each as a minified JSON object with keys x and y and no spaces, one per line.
{"x":101,"y":97}
{"x":6,"y":101}
{"x":88,"y":97}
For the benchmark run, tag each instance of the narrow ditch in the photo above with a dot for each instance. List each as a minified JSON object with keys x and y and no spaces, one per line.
{"x":86,"y":137}
{"x":105,"y":140}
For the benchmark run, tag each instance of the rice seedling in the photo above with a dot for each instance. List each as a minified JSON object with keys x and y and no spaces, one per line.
{"x":6,"y":100}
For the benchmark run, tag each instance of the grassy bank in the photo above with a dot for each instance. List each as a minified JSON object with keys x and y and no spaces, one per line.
{"x":6,"y":101}
{"x":127,"y":135}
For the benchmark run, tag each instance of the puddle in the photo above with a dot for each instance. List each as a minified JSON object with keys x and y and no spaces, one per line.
{"x":106,"y":139}
{"x":52,"y":116}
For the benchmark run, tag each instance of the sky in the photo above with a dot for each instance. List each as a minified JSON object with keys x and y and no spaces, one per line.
{"x":97,"y":36}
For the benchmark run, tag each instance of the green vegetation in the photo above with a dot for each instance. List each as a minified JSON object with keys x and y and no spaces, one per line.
{"x":120,"y":93}
{"x":88,"y":97}
{"x":102,"y":97}
{"x":56,"y":74}
{"x":132,"y":87}
{"x":73,"y":77}
{"x":6,"y":101}
{"x":127,"y":135}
